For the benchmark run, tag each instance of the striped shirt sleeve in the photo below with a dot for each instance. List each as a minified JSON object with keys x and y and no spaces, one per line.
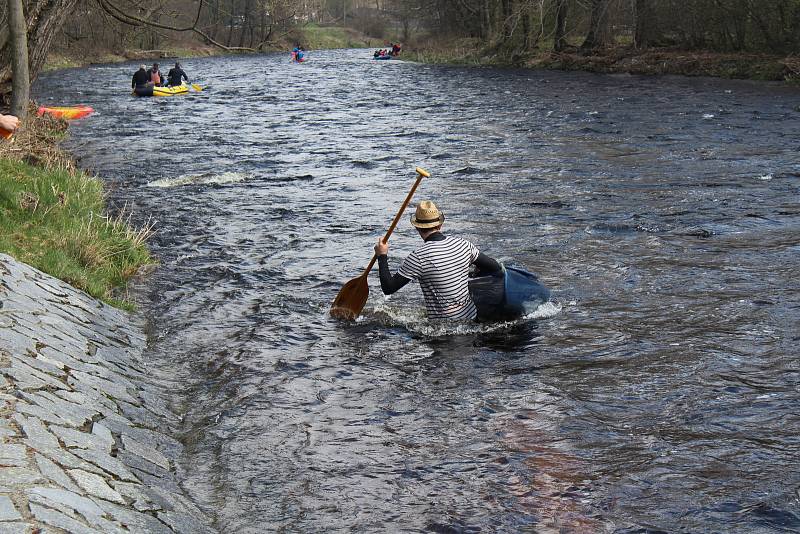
{"x":411,"y":267}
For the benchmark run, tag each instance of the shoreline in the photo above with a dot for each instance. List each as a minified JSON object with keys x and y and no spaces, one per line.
{"x":626,"y":60}
{"x":86,"y":430}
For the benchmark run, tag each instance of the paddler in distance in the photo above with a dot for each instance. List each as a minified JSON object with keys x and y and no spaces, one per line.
{"x":441,"y":266}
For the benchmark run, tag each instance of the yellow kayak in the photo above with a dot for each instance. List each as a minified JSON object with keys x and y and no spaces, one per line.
{"x":169,"y":91}
{"x":150,"y":90}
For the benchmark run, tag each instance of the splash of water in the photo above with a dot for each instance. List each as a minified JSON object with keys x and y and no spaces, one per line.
{"x":200,"y":179}
{"x":415,"y":321}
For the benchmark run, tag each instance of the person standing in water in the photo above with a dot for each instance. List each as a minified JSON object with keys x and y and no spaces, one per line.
{"x":440,"y":265}
{"x":140,"y":78}
{"x":176,"y":75}
{"x":155,"y":75}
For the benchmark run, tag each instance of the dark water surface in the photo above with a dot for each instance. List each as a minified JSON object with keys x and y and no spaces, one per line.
{"x":660,"y":392}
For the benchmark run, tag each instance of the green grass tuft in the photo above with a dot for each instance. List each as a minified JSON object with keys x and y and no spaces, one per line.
{"x":55,"y":220}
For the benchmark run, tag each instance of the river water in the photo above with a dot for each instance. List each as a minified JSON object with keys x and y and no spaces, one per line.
{"x":659,"y":391}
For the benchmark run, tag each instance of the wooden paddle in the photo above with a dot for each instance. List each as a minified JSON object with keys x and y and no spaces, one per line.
{"x":352,"y":297}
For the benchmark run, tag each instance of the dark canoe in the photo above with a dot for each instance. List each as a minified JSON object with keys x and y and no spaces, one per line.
{"x":513,"y":295}
{"x":381,"y":58}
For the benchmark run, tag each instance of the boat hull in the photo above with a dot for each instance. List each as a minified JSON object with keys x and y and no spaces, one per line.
{"x":513,"y":295}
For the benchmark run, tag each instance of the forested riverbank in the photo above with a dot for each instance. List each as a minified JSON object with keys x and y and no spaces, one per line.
{"x":728,"y":39}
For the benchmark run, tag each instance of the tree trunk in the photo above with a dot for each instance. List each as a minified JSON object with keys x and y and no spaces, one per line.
{"x":643,"y":23}
{"x":597,"y":34}
{"x":44,"y":20}
{"x":528,"y":41}
{"x":21,"y":81}
{"x":560,"y":42}
{"x":507,"y":12}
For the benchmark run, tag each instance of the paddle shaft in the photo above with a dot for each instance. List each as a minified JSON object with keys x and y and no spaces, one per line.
{"x":420,"y":176}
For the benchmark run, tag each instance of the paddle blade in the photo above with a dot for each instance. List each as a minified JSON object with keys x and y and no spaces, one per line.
{"x":351,"y":299}
{"x":196,"y":87}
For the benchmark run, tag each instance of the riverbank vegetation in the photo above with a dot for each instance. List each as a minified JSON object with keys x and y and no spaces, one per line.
{"x":53,"y":216}
{"x":728,"y":38}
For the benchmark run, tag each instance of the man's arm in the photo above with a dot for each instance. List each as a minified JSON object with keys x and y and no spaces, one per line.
{"x":487,"y":265}
{"x":389,"y":283}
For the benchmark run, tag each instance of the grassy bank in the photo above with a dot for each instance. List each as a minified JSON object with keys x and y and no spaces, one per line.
{"x":617,"y":59}
{"x":316,"y":37}
{"x":53,"y":217}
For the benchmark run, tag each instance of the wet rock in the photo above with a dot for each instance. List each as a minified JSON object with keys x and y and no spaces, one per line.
{"x":135,"y":521}
{"x":183,"y":523}
{"x":136,"y":493}
{"x":141,"y":465}
{"x":105,"y":462}
{"x":148,"y":453}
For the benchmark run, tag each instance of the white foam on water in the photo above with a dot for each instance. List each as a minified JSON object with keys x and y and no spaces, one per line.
{"x":201,"y":179}
{"x":415,"y":320}
{"x":765,"y":177}
{"x":708,"y":115}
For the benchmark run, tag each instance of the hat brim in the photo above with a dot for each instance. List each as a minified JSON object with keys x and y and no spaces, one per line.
{"x":426,"y":224}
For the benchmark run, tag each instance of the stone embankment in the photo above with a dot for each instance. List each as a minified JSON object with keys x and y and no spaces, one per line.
{"x":83,"y":446}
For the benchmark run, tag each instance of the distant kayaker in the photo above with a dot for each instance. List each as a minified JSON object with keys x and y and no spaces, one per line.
{"x":155,"y":75}
{"x":176,"y":75}
{"x":395,"y":49}
{"x":140,"y":78}
{"x":441,"y":266}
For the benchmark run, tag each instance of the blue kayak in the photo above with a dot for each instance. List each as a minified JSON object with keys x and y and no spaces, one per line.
{"x":381,"y":57}
{"x":513,"y":295}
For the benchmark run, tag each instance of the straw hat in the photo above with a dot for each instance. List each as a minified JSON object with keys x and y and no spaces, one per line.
{"x":427,"y":215}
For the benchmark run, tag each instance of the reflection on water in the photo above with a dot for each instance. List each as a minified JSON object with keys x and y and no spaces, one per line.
{"x":658,"y":392}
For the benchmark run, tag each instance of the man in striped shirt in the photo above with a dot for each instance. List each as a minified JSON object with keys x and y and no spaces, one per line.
{"x":440,"y":265}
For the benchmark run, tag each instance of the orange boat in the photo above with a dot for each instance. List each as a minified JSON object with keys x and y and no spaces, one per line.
{"x":66,"y":112}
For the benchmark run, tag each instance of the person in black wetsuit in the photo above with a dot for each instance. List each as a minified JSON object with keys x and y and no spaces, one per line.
{"x":176,"y":75}
{"x":141,"y":82}
{"x":441,"y":266}
{"x":140,"y":77}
